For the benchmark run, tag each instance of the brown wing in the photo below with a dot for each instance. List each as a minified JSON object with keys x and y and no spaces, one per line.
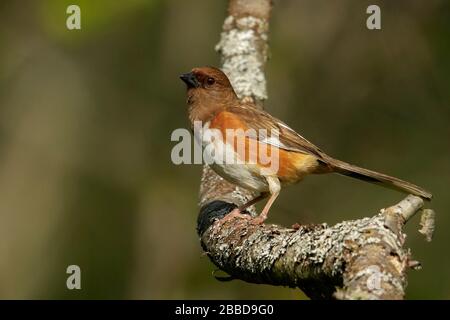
{"x":287,"y":139}
{"x":290,"y":140}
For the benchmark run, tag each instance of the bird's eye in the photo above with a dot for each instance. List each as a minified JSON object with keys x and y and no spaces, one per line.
{"x":210,"y":81}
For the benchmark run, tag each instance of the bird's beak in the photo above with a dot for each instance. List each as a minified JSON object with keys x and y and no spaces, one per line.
{"x":190,"y":80}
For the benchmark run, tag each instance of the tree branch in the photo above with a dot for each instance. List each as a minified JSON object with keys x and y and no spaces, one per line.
{"x":361,"y":259}
{"x":364,"y":258}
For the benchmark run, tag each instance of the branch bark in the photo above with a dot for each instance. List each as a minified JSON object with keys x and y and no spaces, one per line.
{"x":361,"y":259}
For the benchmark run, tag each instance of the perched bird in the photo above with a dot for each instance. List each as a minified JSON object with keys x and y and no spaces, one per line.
{"x":212,"y":100}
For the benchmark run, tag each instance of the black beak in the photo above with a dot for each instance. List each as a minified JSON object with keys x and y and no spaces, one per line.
{"x":190,"y":80}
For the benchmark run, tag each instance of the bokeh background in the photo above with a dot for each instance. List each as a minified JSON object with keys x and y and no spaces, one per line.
{"x":86,"y":118}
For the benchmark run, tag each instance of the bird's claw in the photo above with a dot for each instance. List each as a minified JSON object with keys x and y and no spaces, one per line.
{"x":258,"y":220}
{"x":236,"y":213}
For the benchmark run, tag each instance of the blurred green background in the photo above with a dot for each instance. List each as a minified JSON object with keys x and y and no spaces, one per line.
{"x":86,"y":118}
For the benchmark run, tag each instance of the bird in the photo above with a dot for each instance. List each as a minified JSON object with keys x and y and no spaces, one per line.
{"x":213,"y":103}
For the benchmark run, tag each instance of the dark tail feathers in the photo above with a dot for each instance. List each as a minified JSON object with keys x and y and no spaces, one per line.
{"x":377,"y":178}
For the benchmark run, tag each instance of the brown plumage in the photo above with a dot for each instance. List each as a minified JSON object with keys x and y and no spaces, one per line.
{"x":212,"y":100}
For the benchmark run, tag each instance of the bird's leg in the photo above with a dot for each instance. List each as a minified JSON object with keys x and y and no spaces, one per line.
{"x":274,"y":189}
{"x":236,"y":213}
{"x":263,"y":216}
{"x":254,"y":200}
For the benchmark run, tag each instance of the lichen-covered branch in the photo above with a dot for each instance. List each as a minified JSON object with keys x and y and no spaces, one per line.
{"x":361,"y":259}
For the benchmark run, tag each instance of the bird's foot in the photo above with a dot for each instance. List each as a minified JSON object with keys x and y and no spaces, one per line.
{"x":258,"y":220}
{"x":236,"y":213}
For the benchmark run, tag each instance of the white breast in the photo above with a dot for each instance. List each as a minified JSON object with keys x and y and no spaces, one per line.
{"x":225,"y":161}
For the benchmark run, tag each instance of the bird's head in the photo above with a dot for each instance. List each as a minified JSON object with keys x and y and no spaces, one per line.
{"x":208,"y":91}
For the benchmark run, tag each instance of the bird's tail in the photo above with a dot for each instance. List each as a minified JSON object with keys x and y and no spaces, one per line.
{"x":384,"y":180}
